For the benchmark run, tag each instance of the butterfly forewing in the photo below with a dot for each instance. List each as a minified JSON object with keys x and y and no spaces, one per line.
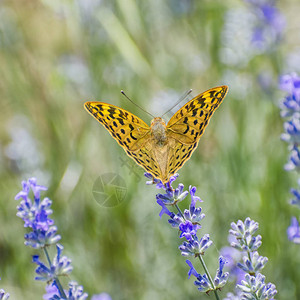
{"x":129,"y":130}
{"x":132,"y":133}
{"x":188,"y":124}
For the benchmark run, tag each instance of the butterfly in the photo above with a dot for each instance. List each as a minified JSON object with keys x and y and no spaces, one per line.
{"x":161,"y":149}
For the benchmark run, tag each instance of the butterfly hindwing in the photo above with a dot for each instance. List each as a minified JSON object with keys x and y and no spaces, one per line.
{"x":179,"y":155}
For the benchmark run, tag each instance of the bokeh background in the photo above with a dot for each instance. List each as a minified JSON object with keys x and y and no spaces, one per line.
{"x":55,"y":55}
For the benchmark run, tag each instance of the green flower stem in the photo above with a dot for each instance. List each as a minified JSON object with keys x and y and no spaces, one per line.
{"x":61,"y":290}
{"x":209,"y":277}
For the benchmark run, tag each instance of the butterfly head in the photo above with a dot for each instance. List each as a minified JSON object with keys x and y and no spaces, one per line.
{"x":159,"y":130}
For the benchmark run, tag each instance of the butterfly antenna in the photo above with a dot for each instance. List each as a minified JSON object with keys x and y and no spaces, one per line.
{"x":180,"y":99}
{"x":123,"y":93}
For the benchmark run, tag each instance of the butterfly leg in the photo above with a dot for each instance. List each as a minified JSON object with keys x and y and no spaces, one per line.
{"x":168,"y":186}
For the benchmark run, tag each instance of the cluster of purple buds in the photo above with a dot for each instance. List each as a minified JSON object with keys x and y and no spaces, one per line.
{"x":253,"y":285}
{"x":290,"y":111}
{"x":35,"y":214}
{"x":188,"y":223}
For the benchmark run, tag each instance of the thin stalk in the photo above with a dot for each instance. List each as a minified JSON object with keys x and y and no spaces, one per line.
{"x":58,"y":284}
{"x":209,"y":277}
{"x":201,"y":260}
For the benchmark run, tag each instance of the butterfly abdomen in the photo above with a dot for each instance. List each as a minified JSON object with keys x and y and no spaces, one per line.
{"x":159,"y":131}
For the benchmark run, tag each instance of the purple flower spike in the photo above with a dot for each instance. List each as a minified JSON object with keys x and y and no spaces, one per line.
{"x":188,"y":222}
{"x":188,"y":230}
{"x":253,"y":285}
{"x":60,"y":266}
{"x":192,"y":270}
{"x":35,"y":214}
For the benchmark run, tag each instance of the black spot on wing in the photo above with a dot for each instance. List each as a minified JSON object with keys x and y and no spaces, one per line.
{"x":120,"y":120}
{"x":134,"y":138}
{"x":131,"y":127}
{"x":187,"y":129}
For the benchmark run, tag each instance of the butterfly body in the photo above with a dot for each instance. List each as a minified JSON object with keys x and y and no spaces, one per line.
{"x":159,"y":131}
{"x":161,"y":149}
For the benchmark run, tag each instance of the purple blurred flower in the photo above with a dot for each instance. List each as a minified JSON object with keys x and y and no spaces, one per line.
{"x":293,"y":231}
{"x":75,"y":292}
{"x":270,"y":24}
{"x":3,"y":295}
{"x":233,"y":256}
{"x":294,"y":160}
{"x":292,"y":130}
{"x":296,"y":200}
{"x":290,"y":105}
{"x":102,"y":296}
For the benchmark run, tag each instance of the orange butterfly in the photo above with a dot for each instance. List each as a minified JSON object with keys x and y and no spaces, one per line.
{"x":160,"y":149}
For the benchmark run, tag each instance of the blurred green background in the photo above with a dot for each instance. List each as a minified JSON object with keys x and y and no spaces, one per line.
{"x":55,"y":55}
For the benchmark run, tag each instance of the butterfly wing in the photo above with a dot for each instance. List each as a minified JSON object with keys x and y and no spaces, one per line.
{"x":132,"y":133}
{"x":188,"y":124}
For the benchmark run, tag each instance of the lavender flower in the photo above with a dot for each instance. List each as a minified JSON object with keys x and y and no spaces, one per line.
{"x":75,"y":292}
{"x":290,"y":105}
{"x":60,"y":266}
{"x":203,"y":282}
{"x":253,"y":264}
{"x":3,"y":295}
{"x":172,"y":196}
{"x":188,"y":224}
{"x":292,"y":130}
{"x":102,"y":296}
{"x":231,"y":296}
{"x":194,"y":246}
{"x":296,"y":193}
{"x":293,"y":231}
{"x":290,"y":109}
{"x":269,"y":25}
{"x":35,"y":214}
{"x":253,"y":286}
{"x":243,"y":232}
